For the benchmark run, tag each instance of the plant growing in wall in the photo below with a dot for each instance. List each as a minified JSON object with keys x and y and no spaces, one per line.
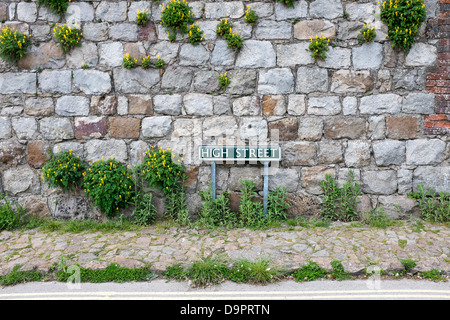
{"x":68,"y":37}
{"x":56,"y":6}
{"x":404,"y":18}
{"x":142,"y":17}
{"x":223,"y":81}
{"x":367,"y":34}
{"x":145,"y":62}
{"x":109,"y":185}
{"x":318,"y":47}
{"x":250,"y":16}
{"x":160,"y":63}
{"x":195,"y":35}
{"x":128,"y":62}
{"x":63,"y":170}
{"x":288,"y":3}
{"x":13,"y":45}
{"x":161,"y":170}
{"x":176,"y":17}
{"x":225,"y":29}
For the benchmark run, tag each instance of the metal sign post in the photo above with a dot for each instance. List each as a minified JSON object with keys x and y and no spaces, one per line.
{"x":235,"y":153}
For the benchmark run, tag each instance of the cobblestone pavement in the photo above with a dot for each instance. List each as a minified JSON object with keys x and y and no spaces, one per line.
{"x":357,"y":247}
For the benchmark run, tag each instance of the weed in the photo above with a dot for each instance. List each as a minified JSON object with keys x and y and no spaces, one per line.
{"x":311,"y":271}
{"x":17,"y":276}
{"x":433,"y":274}
{"x":434,"y":207}
{"x":10,"y":219}
{"x":338,"y":271}
{"x":208,"y":271}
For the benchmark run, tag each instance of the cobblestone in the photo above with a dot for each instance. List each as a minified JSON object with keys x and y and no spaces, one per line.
{"x":357,"y":247}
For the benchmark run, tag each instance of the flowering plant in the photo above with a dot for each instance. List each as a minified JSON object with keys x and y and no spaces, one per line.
{"x":13,"y":45}
{"x":68,"y":37}
{"x":318,"y":47}
{"x":225,"y":29}
{"x":195,"y":35}
{"x":109,"y":185}
{"x":145,"y":62}
{"x":404,"y":18}
{"x":129,"y":62}
{"x":161,"y":170}
{"x":142,"y":18}
{"x":223,"y":81}
{"x":176,"y":16}
{"x":250,"y":16}
{"x":367,"y":34}
{"x":63,"y":170}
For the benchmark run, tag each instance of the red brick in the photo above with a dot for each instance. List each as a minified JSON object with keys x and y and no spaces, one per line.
{"x":444,"y":55}
{"x":429,"y":124}
{"x":443,"y":83}
{"x":443,"y":124}
{"x":434,"y":117}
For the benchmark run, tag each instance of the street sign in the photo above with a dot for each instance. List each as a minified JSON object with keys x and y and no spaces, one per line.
{"x":238,"y":153}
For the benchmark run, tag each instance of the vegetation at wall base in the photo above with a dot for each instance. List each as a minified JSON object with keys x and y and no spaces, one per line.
{"x":340,"y":203}
{"x":108,"y":184}
{"x":128,"y":62}
{"x":10,"y":218}
{"x":63,"y":170}
{"x":434,"y":207}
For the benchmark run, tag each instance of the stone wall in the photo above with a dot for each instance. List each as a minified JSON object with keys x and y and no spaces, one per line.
{"x":366,"y":107}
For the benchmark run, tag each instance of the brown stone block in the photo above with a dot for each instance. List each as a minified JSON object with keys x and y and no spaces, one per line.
{"x":37,"y":153}
{"x":138,"y":104}
{"x":345,"y":127}
{"x":402,"y":127}
{"x":287,"y":128}
{"x":11,"y":152}
{"x":124,"y":128}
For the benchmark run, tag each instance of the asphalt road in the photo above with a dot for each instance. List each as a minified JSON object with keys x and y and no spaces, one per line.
{"x":159,"y":289}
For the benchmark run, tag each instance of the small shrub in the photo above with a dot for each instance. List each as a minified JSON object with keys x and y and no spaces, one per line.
{"x":10,"y":219}
{"x":142,"y":17}
{"x":376,"y":218}
{"x":144,"y":212}
{"x":63,"y":170}
{"x":160,"y":170}
{"x":318,"y":47}
{"x":408,"y":264}
{"x":251,"y":212}
{"x":68,"y":37}
{"x":145,"y":62}
{"x":128,"y":62}
{"x":340,"y":204}
{"x":277,"y":205}
{"x":367,"y":34}
{"x":195,"y":35}
{"x":216,"y":212}
{"x":404,"y":18}
{"x":434,"y":207}
{"x":176,"y":17}
{"x":250,"y":16}
{"x":56,"y":6}
{"x":223,"y":81}
{"x":108,"y":184}
{"x":13,"y":45}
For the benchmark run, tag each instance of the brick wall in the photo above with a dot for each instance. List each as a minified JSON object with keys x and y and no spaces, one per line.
{"x":438,"y":77}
